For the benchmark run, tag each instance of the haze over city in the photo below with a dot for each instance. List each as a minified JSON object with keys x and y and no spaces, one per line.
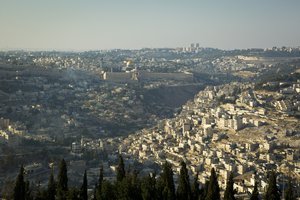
{"x":90,"y":25}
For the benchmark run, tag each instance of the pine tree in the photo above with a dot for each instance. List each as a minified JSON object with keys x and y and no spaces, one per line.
{"x":184,"y":187}
{"x":289,"y":193}
{"x":229,"y":192}
{"x":255,"y":193}
{"x":272,"y":192}
{"x":120,"y":169}
{"x":213,"y":192}
{"x":83,"y":190}
{"x":20,"y":187}
{"x":168,"y":192}
{"x":51,"y":190}
{"x":62,"y":185}
{"x":195,"y":188}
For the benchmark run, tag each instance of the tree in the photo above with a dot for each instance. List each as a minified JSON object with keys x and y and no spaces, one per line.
{"x":73,"y":194}
{"x":229,"y":192}
{"x":159,"y":187}
{"x":195,"y":188}
{"x":99,"y":184}
{"x":204,"y":190}
{"x":120,"y":169}
{"x":51,"y":190}
{"x":8,"y":187}
{"x":135,"y":190}
{"x":62,"y":185}
{"x":184,"y":187}
{"x":213,"y":192}
{"x":289,"y":193}
{"x":107,"y":191}
{"x":148,"y":187}
{"x":83,"y":190}
{"x":255,"y":193}
{"x":272,"y":192}
{"x":167,"y":181}
{"x":27,"y":191}
{"x":20,"y":187}
{"x":129,"y":187}
{"x":41,"y":194}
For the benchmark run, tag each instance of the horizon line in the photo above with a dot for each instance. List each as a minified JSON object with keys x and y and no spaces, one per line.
{"x":133,"y":49}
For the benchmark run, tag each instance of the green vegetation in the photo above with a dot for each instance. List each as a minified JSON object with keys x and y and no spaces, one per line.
{"x":166,"y":186}
{"x":195,"y":189}
{"x":184,"y":188}
{"x":289,"y":192}
{"x":51,"y":187}
{"x":62,"y":185}
{"x":272,"y":192}
{"x":120,"y":169}
{"x":229,"y":192}
{"x":20,"y":188}
{"x":255,"y":193}
{"x":83,"y":190}
{"x":129,"y":186}
{"x":213,"y":192}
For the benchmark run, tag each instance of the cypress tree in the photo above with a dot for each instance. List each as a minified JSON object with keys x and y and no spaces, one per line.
{"x":41,"y":194}
{"x":255,"y":193}
{"x":28,"y":195}
{"x":107,"y":191}
{"x":123,"y":188}
{"x":148,"y":188}
{"x":99,"y":184}
{"x":62,"y":185}
{"x":120,"y":169}
{"x":204,"y":190}
{"x":195,"y":188}
{"x":184,"y":187}
{"x":83,"y":190}
{"x":73,"y":194}
{"x":129,"y":187}
{"x":289,"y":193}
{"x":229,"y":192}
{"x":213,"y":192}
{"x":135,"y":190}
{"x":20,"y":187}
{"x":51,"y":190}
{"x":159,"y":187}
{"x":272,"y":192}
{"x":168,"y":192}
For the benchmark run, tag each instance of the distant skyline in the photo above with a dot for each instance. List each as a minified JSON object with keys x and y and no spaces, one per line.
{"x":133,"y":24}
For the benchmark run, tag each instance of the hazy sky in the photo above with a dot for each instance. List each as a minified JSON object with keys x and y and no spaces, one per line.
{"x":99,"y":24}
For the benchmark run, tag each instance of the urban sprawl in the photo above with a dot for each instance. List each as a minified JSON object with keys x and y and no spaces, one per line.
{"x":235,"y":111}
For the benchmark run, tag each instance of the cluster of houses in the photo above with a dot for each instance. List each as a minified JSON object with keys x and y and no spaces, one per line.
{"x":234,"y":134}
